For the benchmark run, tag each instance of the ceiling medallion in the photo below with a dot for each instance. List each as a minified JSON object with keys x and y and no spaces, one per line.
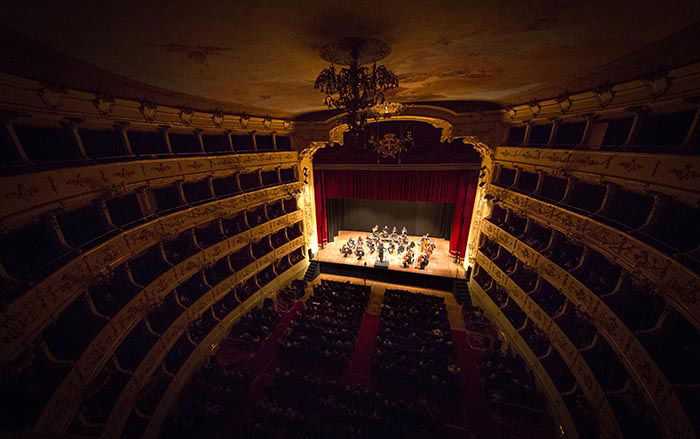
{"x":357,"y":88}
{"x":390,"y":145}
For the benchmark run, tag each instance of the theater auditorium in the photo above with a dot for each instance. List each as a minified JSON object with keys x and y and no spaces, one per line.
{"x":350,"y":220}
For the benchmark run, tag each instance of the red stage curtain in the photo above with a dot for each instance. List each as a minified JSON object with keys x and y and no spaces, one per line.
{"x":458,"y":187}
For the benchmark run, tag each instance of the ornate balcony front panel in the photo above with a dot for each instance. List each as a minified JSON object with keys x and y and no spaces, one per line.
{"x":154,"y":357}
{"x":66,"y":399}
{"x":568,"y":351}
{"x":561,"y":411}
{"x":677,"y":283}
{"x":34,"y":309}
{"x":636,"y":359}
{"x":32,"y":194}
{"x":662,"y":170}
{"x":205,"y":347}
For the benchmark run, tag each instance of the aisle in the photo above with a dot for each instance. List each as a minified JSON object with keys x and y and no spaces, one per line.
{"x":360,"y":364}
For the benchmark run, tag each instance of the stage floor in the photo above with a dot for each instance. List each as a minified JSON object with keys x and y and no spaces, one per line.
{"x":441,"y":263}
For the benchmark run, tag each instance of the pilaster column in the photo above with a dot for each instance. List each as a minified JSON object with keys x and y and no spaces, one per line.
{"x":254,"y":141}
{"x":639,"y":115}
{"x":553,"y":133}
{"x":528,"y":131}
{"x":121,"y":128}
{"x":72,"y":125}
{"x":691,"y":138}
{"x":229,"y":141}
{"x":590,"y":119}
{"x":199,"y":139}
{"x":6,"y":120}
{"x":165,"y":130}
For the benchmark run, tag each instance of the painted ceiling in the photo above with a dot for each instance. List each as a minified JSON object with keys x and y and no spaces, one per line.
{"x":264,"y":53}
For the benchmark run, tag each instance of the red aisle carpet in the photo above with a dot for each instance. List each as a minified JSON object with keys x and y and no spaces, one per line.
{"x":364,"y":349}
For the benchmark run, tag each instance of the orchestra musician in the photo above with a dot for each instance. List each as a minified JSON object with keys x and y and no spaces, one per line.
{"x":359,"y":252}
{"x":408,"y":258}
{"x":345,"y":250}
{"x":375,"y":230}
{"x":385,"y":232}
{"x":422,"y":261}
{"x":380,"y":255}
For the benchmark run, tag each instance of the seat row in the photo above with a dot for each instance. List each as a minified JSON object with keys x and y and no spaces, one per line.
{"x":44,"y":245}
{"x":31,"y":147}
{"x":658,"y":220}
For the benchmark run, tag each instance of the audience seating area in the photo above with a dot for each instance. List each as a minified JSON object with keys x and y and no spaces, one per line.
{"x":414,"y":343}
{"x":328,"y":324}
{"x":299,"y":405}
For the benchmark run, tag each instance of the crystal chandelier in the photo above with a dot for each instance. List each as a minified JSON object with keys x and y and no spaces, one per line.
{"x":357,"y":88}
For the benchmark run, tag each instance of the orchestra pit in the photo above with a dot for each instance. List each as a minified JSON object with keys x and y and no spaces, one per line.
{"x":350,"y":220}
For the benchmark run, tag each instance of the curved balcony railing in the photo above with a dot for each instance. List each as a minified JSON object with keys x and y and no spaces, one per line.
{"x":627,"y":346}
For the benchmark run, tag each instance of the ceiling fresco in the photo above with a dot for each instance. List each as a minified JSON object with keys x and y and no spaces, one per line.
{"x":264,"y":54}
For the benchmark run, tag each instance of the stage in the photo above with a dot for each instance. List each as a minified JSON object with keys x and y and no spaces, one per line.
{"x":439,"y":274}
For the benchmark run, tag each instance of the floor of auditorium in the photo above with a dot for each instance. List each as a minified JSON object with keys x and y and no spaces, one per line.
{"x":469,"y":417}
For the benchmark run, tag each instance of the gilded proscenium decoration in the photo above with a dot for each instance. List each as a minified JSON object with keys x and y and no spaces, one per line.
{"x":675,"y":282}
{"x":636,"y":359}
{"x":32,"y":311}
{"x":390,"y":145}
{"x":548,"y":386}
{"x":572,"y":356}
{"x":203,"y":349}
{"x":158,"y":351}
{"x":66,"y":400}
{"x":31,"y":191}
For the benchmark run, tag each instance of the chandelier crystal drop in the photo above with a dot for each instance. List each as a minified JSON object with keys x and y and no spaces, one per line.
{"x":358,"y":88}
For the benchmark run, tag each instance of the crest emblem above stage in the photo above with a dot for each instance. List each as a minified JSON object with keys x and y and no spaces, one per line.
{"x":390,"y":145}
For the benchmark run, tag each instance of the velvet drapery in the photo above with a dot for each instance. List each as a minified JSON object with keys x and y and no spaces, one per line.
{"x":458,"y":187}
